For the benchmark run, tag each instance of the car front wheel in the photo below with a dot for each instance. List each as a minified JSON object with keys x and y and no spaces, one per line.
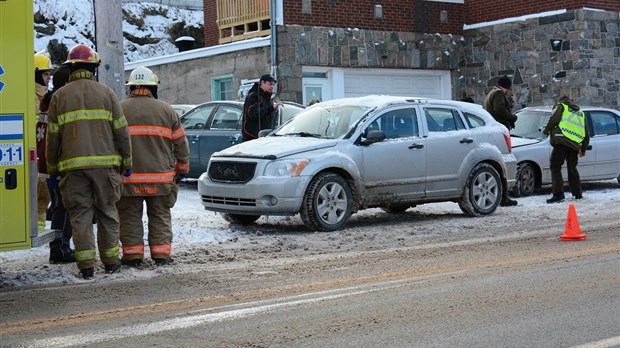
{"x":327,"y":203}
{"x":525,"y":180}
{"x":483,"y":191}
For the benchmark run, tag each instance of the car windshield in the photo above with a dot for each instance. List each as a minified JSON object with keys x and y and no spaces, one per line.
{"x":328,"y":122}
{"x":529,"y":124}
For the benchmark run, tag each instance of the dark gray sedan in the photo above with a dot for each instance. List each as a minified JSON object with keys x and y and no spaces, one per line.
{"x":216,"y":125}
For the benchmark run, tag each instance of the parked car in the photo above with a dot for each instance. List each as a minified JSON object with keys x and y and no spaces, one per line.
{"x":532,"y":148}
{"x":182,"y":108}
{"x":216,"y":125}
{"x":343,"y":155}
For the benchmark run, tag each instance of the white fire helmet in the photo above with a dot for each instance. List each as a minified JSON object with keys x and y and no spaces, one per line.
{"x":142,"y":76}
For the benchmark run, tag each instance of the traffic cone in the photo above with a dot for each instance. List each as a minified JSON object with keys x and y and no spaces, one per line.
{"x":572,"y":230}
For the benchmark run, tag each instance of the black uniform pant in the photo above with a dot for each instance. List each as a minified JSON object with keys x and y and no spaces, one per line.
{"x":559,"y":154}
{"x":60,"y":221}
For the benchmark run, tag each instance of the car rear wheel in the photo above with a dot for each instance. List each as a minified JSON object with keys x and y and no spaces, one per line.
{"x":240,"y":219}
{"x":525,"y":180}
{"x":483,"y":191}
{"x":327,"y":203}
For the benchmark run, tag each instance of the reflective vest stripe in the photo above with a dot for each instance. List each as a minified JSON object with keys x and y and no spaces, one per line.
{"x":572,"y":124}
{"x":180,"y":133}
{"x":84,"y":115}
{"x":149,"y":177}
{"x":109,"y":253}
{"x":89,"y":161}
{"x":160,"y":249}
{"x":151,"y":130}
{"x":182,"y":166}
{"x":85,"y":255}
{"x":133,"y":250}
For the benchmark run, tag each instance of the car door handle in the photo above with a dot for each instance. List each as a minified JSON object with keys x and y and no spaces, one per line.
{"x":416,"y":146}
{"x":466,"y":141}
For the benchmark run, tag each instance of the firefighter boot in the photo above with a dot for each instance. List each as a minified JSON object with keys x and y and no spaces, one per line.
{"x":61,"y":256}
{"x":87,"y":273}
{"x":162,"y":262}
{"x":113,"y":268}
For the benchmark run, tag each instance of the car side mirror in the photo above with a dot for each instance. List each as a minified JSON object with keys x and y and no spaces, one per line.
{"x":373,"y":136}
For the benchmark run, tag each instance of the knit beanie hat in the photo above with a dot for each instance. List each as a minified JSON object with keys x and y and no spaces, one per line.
{"x":505,"y":82}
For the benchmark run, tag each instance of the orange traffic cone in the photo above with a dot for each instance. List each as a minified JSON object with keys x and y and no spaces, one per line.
{"x":572,"y":230}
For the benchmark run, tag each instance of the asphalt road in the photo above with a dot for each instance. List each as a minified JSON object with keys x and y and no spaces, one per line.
{"x":533,"y":291}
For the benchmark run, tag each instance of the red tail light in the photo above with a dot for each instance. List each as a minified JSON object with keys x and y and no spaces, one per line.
{"x":508,"y":141}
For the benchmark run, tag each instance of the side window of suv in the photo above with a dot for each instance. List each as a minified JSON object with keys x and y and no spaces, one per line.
{"x":443,"y":120}
{"x":398,"y":123}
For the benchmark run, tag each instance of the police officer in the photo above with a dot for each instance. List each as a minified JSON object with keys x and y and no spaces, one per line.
{"x":88,"y":144}
{"x":160,"y":155}
{"x":570,"y":138}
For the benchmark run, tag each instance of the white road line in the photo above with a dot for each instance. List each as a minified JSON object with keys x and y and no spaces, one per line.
{"x":606,"y":343}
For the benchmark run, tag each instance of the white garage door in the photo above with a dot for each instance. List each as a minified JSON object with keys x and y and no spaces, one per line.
{"x":406,"y":82}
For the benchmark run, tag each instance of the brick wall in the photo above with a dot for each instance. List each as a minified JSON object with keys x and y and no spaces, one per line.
{"x":398,"y":15}
{"x":479,"y":11}
{"x":210,"y":24}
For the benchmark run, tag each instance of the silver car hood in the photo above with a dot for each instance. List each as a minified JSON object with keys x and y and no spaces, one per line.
{"x":517,"y":142}
{"x":275,"y":147}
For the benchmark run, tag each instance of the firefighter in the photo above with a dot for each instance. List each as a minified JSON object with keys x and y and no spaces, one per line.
{"x":161,"y":157}
{"x":42,"y":74}
{"x":88,"y":143}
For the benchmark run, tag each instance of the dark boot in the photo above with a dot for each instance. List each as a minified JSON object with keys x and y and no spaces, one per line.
{"x":109,"y":269}
{"x":62,"y":256}
{"x":556,"y":198}
{"x":508,"y":202}
{"x":162,"y":262}
{"x":87,"y":273}
{"x":132,"y":263}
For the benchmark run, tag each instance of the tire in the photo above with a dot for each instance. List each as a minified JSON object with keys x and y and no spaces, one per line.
{"x":326,"y":205}
{"x":240,"y":219}
{"x":483,"y":191}
{"x":525,"y":180}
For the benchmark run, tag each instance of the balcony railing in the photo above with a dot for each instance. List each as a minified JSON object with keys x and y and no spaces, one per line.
{"x":242,"y":19}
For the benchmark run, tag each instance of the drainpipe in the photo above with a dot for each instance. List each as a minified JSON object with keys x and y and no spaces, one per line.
{"x":274,"y":64}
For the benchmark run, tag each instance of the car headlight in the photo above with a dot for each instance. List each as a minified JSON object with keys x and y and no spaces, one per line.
{"x":292,"y":167}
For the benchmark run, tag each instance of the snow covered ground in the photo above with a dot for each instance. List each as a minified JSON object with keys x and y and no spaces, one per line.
{"x":204,"y":239}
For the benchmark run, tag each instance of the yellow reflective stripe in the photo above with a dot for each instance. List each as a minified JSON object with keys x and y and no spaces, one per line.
{"x":127,"y":161}
{"x":88,"y":161}
{"x":85,"y":255}
{"x":53,"y":127}
{"x":51,"y":167}
{"x":120,"y":123}
{"x":572,"y":124}
{"x":85,"y":115}
{"x":111,"y":252}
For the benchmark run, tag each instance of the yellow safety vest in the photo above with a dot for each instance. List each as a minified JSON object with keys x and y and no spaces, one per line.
{"x":573,"y":125}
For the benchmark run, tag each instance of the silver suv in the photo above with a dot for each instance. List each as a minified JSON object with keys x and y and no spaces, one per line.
{"x":344,"y":155}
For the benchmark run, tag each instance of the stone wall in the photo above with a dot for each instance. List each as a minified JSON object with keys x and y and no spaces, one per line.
{"x":576,"y":53}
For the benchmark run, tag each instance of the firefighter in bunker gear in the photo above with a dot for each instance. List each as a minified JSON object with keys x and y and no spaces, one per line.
{"x":161,"y":155}
{"x":42,"y":74}
{"x":88,"y":143}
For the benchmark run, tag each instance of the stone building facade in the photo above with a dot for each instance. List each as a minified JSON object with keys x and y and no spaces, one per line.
{"x":576,"y":53}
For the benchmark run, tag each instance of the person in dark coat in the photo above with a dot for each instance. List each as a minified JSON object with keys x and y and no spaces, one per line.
{"x":568,"y":131}
{"x":499,"y":105}
{"x":60,"y":248}
{"x":258,"y":108}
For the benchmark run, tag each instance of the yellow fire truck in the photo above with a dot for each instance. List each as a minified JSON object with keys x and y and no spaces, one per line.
{"x":18,"y":170}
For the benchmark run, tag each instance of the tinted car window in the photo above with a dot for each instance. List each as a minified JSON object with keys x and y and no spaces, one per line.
{"x":604,"y":122}
{"x":197,"y":118}
{"x":397,"y":124}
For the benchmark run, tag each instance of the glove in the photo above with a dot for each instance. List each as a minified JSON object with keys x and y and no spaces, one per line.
{"x":127,"y":172}
{"x":52,"y":182}
{"x":180,"y":177}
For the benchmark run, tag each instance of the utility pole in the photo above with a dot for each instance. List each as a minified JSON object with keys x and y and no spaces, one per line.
{"x":109,"y":37}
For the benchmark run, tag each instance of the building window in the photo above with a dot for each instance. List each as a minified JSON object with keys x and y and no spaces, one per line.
{"x":223,"y":89}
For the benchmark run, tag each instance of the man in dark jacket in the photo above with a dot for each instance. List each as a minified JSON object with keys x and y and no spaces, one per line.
{"x":568,"y":130}
{"x":258,"y":108}
{"x":499,"y":105}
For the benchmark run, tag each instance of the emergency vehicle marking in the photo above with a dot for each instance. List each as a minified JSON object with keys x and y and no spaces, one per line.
{"x":12,"y":129}
{"x":1,"y":73}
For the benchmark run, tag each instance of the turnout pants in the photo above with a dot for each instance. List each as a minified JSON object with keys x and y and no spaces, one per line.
{"x":559,"y":154}
{"x":84,"y":193}
{"x":43,"y":200}
{"x":159,"y":225}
